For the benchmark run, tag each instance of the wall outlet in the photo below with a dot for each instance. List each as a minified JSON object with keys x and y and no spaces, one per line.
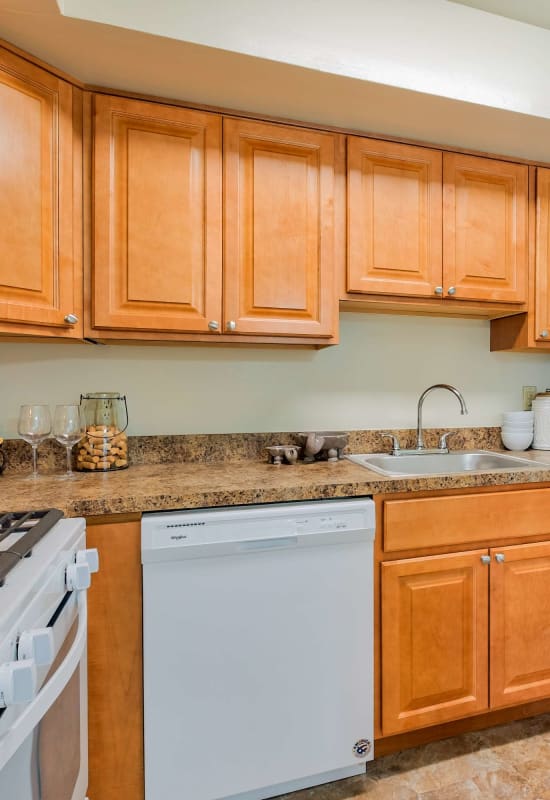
{"x":529,"y":393}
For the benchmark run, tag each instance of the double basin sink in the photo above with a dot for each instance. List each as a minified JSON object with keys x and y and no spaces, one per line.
{"x":455,"y":462}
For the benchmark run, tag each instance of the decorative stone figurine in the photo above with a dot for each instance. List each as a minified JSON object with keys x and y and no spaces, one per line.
{"x":325,"y":444}
{"x":279,"y":452}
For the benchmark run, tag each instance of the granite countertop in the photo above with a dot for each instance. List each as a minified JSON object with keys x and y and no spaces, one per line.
{"x":156,"y":487}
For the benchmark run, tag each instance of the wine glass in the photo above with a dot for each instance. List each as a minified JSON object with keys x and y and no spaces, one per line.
{"x":69,"y":426}
{"x":35,"y":425}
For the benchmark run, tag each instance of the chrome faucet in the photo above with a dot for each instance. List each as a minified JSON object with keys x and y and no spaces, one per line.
{"x":419,"y":433}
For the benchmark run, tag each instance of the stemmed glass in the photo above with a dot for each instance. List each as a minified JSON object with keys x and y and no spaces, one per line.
{"x":35,"y":425}
{"x":69,"y":426}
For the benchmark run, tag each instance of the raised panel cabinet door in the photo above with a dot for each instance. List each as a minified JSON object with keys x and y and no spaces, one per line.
{"x":40,"y":180}
{"x":485,"y":235}
{"x":279,"y":236}
{"x":157,"y":217}
{"x":434,"y":640}
{"x":520,"y":624}
{"x":542,"y":258}
{"x":394,"y":218}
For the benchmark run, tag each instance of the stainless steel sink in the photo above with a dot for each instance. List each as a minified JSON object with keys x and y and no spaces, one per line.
{"x":457,"y":461}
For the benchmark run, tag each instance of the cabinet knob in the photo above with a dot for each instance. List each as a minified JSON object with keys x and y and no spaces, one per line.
{"x":71,"y":319}
{"x":231,"y":325}
{"x":213,"y":325}
{"x":544,"y":334}
{"x":451,"y":290}
{"x":499,"y":558}
{"x":485,"y":559}
{"x":438,"y":290}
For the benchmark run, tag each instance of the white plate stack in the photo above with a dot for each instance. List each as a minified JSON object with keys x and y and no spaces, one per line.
{"x":517,"y":429}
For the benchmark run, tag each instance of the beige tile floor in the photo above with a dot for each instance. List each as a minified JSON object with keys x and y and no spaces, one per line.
{"x":507,"y":762}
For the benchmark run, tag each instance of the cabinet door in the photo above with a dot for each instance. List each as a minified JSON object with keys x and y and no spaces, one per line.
{"x":484,"y":229}
{"x":434,"y":640}
{"x":542,"y":263}
{"x":394,"y":218}
{"x":279,"y":237}
{"x":520,"y":624}
{"x":157,"y":217}
{"x":40,"y":179}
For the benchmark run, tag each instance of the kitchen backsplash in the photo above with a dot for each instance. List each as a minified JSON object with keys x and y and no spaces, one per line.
{"x":236,"y":447}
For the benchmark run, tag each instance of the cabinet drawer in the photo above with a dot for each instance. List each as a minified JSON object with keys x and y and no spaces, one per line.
{"x":464,"y":519}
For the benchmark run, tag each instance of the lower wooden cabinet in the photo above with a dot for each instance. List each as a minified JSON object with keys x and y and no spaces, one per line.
{"x":434,"y":639}
{"x":115,"y":664}
{"x":520,"y":624}
{"x":464,"y":633}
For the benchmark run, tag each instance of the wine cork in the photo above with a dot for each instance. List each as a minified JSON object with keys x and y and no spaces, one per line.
{"x":103,"y":448}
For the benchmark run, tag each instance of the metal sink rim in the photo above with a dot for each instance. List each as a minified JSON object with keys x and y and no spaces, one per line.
{"x":503,"y":462}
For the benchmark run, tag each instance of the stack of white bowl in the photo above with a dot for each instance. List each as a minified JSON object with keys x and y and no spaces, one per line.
{"x":517,"y":429}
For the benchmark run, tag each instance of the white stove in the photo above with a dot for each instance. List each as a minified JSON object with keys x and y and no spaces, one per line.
{"x":45,"y":571}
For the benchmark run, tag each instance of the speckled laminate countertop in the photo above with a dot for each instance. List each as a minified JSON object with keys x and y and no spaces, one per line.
{"x":156,"y":487}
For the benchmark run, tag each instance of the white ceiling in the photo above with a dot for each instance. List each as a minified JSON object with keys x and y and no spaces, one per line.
{"x":534,"y":12}
{"x":378,"y":66}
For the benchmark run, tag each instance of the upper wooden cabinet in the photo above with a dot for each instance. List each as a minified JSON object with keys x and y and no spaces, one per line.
{"x":485,"y":228}
{"x":157,"y":263}
{"x":279,"y":230}
{"x":40,"y":202}
{"x":541,"y":312}
{"x":530,"y":331}
{"x":158,"y":268}
{"x":438,"y":226}
{"x":394,"y":218}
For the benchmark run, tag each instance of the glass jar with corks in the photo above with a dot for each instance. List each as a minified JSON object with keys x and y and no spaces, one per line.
{"x":104,"y":448}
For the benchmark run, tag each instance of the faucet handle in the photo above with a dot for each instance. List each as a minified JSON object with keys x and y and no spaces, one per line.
{"x":396,"y":447}
{"x":443,"y":440}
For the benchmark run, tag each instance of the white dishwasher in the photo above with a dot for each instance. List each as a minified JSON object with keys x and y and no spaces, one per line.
{"x":258,"y":648}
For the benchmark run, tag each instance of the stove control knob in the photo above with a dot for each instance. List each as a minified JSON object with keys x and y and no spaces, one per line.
{"x":37,"y":645}
{"x":89,"y":557}
{"x":78,"y":577}
{"x":17,"y":683}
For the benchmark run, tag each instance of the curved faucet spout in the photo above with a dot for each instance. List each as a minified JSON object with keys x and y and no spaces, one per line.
{"x":463,"y":410}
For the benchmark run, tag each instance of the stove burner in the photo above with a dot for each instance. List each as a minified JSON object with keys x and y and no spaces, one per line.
{"x":32,"y":526}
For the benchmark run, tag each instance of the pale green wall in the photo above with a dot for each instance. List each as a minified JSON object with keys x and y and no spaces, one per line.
{"x":371,"y":380}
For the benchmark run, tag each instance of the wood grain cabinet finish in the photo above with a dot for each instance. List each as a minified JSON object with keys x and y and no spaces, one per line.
{"x":279,"y":230}
{"x":520,"y":624}
{"x":115,"y":664}
{"x":485,"y":231}
{"x":394,"y":218}
{"x":434,"y":640}
{"x":157,"y":262}
{"x":40,"y":201}
{"x":541,"y":321}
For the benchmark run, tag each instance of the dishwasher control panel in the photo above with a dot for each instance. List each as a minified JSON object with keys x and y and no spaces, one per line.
{"x":187,"y":529}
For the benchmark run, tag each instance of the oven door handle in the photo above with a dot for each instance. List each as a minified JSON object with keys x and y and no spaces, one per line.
{"x":46,"y":697}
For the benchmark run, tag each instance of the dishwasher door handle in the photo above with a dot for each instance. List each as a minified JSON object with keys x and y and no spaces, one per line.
{"x":268,"y":544}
